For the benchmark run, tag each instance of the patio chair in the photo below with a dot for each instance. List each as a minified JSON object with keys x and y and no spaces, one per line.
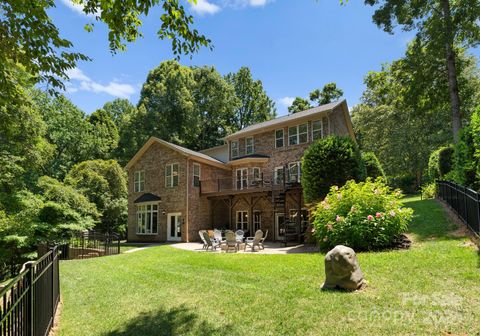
{"x":239,"y":234}
{"x":202,"y":237}
{"x":254,"y":241}
{"x":217,"y":234}
{"x":263,"y":239}
{"x":210,"y":243}
{"x":231,"y":241}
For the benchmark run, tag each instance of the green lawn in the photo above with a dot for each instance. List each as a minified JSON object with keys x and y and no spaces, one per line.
{"x":433,"y":288}
{"x":124,"y":246}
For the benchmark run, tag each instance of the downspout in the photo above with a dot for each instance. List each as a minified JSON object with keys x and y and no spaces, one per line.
{"x":186,"y":200}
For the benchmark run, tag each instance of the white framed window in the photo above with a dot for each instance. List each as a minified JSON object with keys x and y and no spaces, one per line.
{"x":304,"y":217}
{"x":147,"y":215}
{"x":317,"y":130}
{"x":256,"y":173}
{"x":139,"y":181}
{"x":278,"y":178}
{"x":279,"y":138}
{"x":242,"y":220}
{"x":171,"y":175}
{"x":257,"y":220}
{"x":196,"y":175}
{"x":234,"y":148}
{"x":292,"y":135}
{"x":242,"y":178}
{"x":249,"y":146}
{"x":303,"y":133}
{"x":294,"y":169}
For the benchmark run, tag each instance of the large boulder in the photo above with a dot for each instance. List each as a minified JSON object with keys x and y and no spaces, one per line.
{"x":342,"y":269}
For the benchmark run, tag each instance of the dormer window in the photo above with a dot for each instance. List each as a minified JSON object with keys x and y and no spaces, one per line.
{"x":249,"y":146}
{"x":234,"y":149}
{"x":139,"y":181}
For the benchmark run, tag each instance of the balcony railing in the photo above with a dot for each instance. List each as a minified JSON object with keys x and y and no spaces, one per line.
{"x":248,"y":183}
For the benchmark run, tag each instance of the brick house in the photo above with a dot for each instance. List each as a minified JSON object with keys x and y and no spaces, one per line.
{"x":250,"y":182}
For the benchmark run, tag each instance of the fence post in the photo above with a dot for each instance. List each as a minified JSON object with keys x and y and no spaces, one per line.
{"x":30,"y":298}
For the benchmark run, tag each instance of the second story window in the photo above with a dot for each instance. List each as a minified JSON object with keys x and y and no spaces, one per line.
{"x":196,"y":175}
{"x":249,"y":147}
{"x":234,"y":149}
{"x":292,"y":135}
{"x":256,"y":174}
{"x":294,"y":172}
{"x":242,"y":178}
{"x":317,"y":130}
{"x":278,"y":178}
{"x":303,"y":133}
{"x":139,"y":181}
{"x":171,"y":175}
{"x":279,"y":138}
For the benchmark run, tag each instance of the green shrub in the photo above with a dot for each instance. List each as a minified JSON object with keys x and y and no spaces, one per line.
{"x":330,"y":161}
{"x":429,"y":190}
{"x":364,"y":216}
{"x":464,"y":160}
{"x":407,"y":183}
{"x":440,"y":162}
{"x":372,"y":166}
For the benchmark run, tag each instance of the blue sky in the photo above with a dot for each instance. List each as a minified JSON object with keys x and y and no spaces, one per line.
{"x":293,"y":46}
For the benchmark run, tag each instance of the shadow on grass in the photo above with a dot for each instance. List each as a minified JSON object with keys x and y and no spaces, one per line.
{"x":176,"y":321}
{"x":430,"y":221}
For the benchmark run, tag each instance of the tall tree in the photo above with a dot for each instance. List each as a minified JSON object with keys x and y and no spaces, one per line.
{"x":440,"y":24}
{"x":404,"y":111}
{"x":167,"y":95}
{"x":104,"y":183}
{"x":103,"y":135}
{"x":28,"y":36}
{"x":255,"y":105}
{"x":328,"y":94}
{"x":299,"y":104}
{"x":215,"y":105}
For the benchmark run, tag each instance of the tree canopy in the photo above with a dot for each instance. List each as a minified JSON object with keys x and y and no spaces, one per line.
{"x":29,"y":38}
{"x":329,"y":93}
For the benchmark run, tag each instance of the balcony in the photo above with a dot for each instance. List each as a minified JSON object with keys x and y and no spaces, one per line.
{"x":247,"y":184}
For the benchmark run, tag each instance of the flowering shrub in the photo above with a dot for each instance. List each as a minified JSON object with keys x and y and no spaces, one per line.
{"x":364,"y":216}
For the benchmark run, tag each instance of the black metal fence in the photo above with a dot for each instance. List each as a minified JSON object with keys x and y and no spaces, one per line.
{"x":29,"y":302}
{"x":464,"y":201}
{"x":90,"y":244}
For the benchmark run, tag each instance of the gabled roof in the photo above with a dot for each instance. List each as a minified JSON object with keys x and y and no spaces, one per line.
{"x":277,"y":122}
{"x":182,"y":150}
{"x":147,"y":197}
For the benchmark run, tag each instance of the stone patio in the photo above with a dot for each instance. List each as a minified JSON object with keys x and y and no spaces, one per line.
{"x":270,"y":248}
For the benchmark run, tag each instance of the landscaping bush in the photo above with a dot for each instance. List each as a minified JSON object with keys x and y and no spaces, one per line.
{"x":464,"y":161}
{"x":330,"y":161}
{"x":429,"y":190}
{"x":407,"y":183}
{"x":440,"y":162}
{"x":364,"y":216}
{"x":372,"y":166}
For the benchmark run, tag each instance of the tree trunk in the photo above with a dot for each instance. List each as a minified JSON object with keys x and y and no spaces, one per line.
{"x":452,"y":70}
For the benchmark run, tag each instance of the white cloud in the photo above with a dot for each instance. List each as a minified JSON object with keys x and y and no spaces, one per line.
{"x":85,"y":83}
{"x":286,"y":101}
{"x":205,"y":7}
{"x":77,"y":74}
{"x":246,"y":3}
{"x":78,"y":8}
{"x":257,"y":3}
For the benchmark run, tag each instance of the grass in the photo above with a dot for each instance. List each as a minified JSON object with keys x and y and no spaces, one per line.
{"x":433,"y":288}
{"x":124,"y":246}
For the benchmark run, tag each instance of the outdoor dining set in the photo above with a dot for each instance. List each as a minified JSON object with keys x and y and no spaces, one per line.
{"x":231,"y":241}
